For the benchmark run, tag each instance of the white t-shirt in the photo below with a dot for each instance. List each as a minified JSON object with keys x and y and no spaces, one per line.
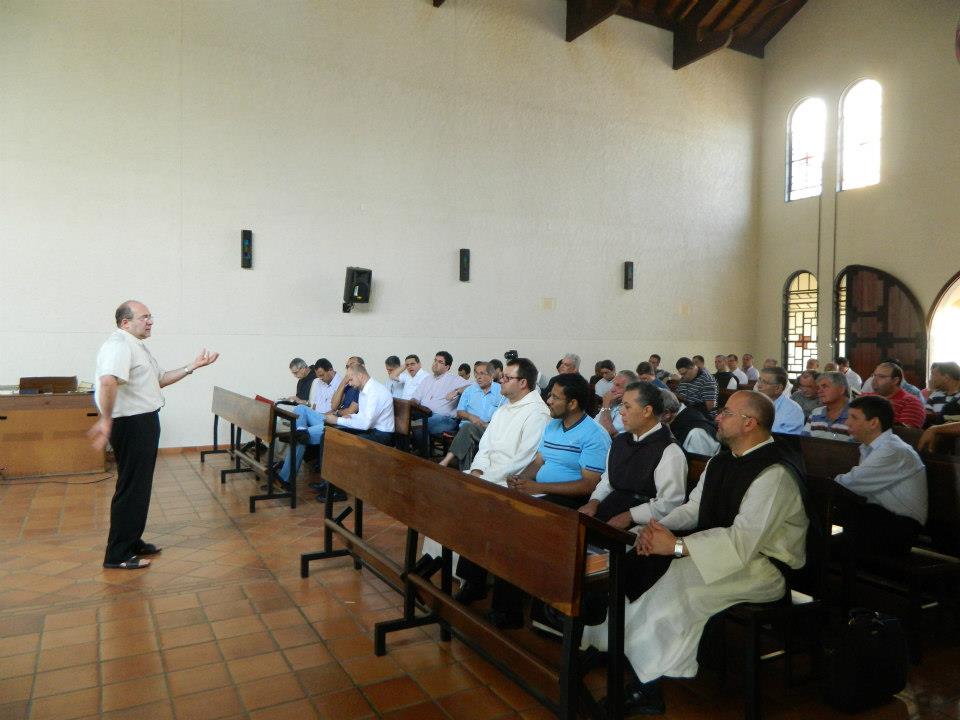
{"x":137,"y":372}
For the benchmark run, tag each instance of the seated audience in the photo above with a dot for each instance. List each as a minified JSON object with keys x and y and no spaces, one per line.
{"x":831,"y":367}
{"x":345,"y":397}
{"x":568,"y":364}
{"x":374,"y":417}
{"x":609,"y":415}
{"x":813,"y":364}
{"x":477,"y":404}
{"x":606,"y":371}
{"x":829,"y":420}
{"x":744,"y":516}
{"x":435,"y":391}
{"x":661,"y":374}
{"x":497,"y":369}
{"x":395,"y":371}
{"x":413,"y":376}
{"x":739,"y":374}
{"x":723,"y":377}
{"x":464,"y":371}
{"x":788,"y":415}
{"x":572,"y":452}
{"x":854,"y":381}
{"x":646,"y":373}
{"x":806,"y":394}
{"x":697,"y":388}
{"x":305,"y":377}
{"x":748,"y":369}
{"x":892,"y":478}
{"x":695,"y":433}
{"x":699,"y":361}
{"x":944,"y":400}
{"x":907,"y":387}
{"x":646,"y":475}
{"x":907,"y":409}
{"x":506,"y":448}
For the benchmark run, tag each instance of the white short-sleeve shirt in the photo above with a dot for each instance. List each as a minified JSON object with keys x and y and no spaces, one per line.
{"x":137,"y":372}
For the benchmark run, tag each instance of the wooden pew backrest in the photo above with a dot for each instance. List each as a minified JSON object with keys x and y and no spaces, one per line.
{"x":510,"y":535}
{"x":253,"y":417}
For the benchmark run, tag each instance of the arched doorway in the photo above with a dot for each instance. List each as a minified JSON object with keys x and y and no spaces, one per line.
{"x":944,"y":323}
{"x":877,"y":317}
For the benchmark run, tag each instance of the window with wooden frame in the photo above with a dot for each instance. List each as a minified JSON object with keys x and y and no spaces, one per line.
{"x":799,"y":321}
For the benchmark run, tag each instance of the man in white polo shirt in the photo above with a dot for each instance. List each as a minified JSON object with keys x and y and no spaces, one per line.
{"x":127,"y":392}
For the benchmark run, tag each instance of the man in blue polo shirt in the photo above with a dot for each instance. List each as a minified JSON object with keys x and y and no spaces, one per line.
{"x":477,"y":404}
{"x":573,"y":451}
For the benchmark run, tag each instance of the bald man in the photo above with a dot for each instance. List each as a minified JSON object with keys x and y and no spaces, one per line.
{"x":745,"y":513}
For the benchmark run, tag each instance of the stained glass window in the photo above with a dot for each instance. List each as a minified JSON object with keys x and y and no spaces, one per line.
{"x":805,"y":149}
{"x":799,"y":322}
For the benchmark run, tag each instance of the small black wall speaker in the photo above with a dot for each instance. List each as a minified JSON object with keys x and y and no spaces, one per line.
{"x":356,"y":286}
{"x":246,"y":249}
{"x":628,"y":275}
{"x":464,"y":265}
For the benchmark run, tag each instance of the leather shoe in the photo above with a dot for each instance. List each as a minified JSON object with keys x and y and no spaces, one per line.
{"x":338,"y":495}
{"x":470,"y":592}
{"x":427,"y":566}
{"x":320,"y":487}
{"x":645,"y":699}
{"x":505,"y":620}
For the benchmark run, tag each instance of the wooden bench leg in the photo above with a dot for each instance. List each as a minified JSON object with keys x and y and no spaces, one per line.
{"x":751,"y":681}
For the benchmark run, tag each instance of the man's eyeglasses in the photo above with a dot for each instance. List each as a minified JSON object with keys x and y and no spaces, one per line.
{"x":727,"y":412}
{"x":508,"y":377}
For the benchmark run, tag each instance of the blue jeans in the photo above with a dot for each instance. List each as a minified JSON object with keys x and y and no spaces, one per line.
{"x":312,"y":422}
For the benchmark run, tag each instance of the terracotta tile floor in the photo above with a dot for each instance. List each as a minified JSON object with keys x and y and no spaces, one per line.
{"x":222,"y":625}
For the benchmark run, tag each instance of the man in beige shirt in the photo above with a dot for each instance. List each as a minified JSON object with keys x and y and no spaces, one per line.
{"x":127,"y":392}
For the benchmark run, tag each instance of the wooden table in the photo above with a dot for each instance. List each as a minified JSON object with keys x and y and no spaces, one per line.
{"x":46,"y":435}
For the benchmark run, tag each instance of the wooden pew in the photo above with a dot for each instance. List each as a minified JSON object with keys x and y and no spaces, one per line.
{"x":537,"y":546}
{"x":260,"y":420}
{"x":404,"y":413}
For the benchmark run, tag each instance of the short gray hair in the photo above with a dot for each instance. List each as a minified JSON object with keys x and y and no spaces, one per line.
{"x":574,"y":358}
{"x":297,"y":364}
{"x":670,"y":402}
{"x":124,"y":312}
{"x":629,"y":375}
{"x":837,"y":379}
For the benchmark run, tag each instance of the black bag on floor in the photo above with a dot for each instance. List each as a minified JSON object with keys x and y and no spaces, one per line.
{"x":868,"y":663}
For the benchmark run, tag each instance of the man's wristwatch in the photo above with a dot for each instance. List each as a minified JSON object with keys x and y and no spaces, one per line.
{"x":678,"y":548}
{"x":187,"y":370}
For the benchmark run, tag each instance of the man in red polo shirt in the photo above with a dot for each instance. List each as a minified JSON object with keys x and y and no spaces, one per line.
{"x":907,"y":409}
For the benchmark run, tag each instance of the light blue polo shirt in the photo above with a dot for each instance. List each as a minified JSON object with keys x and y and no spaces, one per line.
{"x":482,"y":404}
{"x":566,"y":451}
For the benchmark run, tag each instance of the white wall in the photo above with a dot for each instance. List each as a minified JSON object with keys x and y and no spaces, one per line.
{"x":909,"y":224}
{"x":137,"y":139}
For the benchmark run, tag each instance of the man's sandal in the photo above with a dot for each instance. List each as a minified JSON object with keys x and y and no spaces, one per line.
{"x":149,"y":549}
{"x":131,"y":563}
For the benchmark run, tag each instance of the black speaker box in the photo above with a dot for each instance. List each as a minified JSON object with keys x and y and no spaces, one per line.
{"x":356,"y":286}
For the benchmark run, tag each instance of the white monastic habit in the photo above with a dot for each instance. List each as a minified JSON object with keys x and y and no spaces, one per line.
{"x":725,"y":566}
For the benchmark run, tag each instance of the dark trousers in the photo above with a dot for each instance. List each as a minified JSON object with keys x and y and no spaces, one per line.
{"x":378,"y":436}
{"x":465,"y":443}
{"x":873,"y":530}
{"x":134,"y":440}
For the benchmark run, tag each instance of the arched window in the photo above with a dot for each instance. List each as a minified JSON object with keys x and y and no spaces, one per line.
{"x":799,"y":321}
{"x":860,"y":135}
{"x":805,"y":149}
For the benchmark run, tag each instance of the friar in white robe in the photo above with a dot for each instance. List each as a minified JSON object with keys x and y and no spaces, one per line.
{"x":718,"y":567}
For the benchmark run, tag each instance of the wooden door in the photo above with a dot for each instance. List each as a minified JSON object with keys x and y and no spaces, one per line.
{"x":876,"y":318}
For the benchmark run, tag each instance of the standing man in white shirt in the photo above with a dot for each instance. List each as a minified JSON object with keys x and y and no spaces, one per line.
{"x":127,"y":392}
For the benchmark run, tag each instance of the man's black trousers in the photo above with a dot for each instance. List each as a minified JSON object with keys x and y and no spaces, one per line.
{"x":135,"y":440}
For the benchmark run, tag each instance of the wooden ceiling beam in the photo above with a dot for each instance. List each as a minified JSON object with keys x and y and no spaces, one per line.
{"x":691,"y":42}
{"x":437,"y":3}
{"x":584,"y":15}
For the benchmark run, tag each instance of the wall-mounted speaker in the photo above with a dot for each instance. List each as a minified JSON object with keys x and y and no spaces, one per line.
{"x":246,"y":249}
{"x":628,"y":275}
{"x":356,"y":287}
{"x":464,"y":265}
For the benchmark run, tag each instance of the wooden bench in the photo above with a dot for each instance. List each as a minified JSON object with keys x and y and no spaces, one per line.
{"x":259,"y":419}
{"x":537,"y":546}
{"x":405,"y":412}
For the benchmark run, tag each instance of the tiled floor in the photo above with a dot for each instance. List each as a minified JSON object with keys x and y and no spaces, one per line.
{"x":222,"y":625}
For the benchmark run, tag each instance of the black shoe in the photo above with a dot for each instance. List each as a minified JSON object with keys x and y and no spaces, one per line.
{"x":427,"y":566}
{"x":320,"y":487}
{"x":645,"y":699}
{"x":338,"y":495}
{"x":546,"y":619}
{"x":505,"y":620}
{"x":470,"y":592}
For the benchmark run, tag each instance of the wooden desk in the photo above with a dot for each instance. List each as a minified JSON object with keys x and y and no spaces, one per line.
{"x":46,"y":435}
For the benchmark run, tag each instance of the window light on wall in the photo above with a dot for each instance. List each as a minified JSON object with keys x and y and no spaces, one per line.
{"x":805,"y":149}
{"x":860,"y":135}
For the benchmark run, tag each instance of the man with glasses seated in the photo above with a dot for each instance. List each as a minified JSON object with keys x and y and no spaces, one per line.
{"x":305,"y":377}
{"x":788,"y":416}
{"x":907,"y":409}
